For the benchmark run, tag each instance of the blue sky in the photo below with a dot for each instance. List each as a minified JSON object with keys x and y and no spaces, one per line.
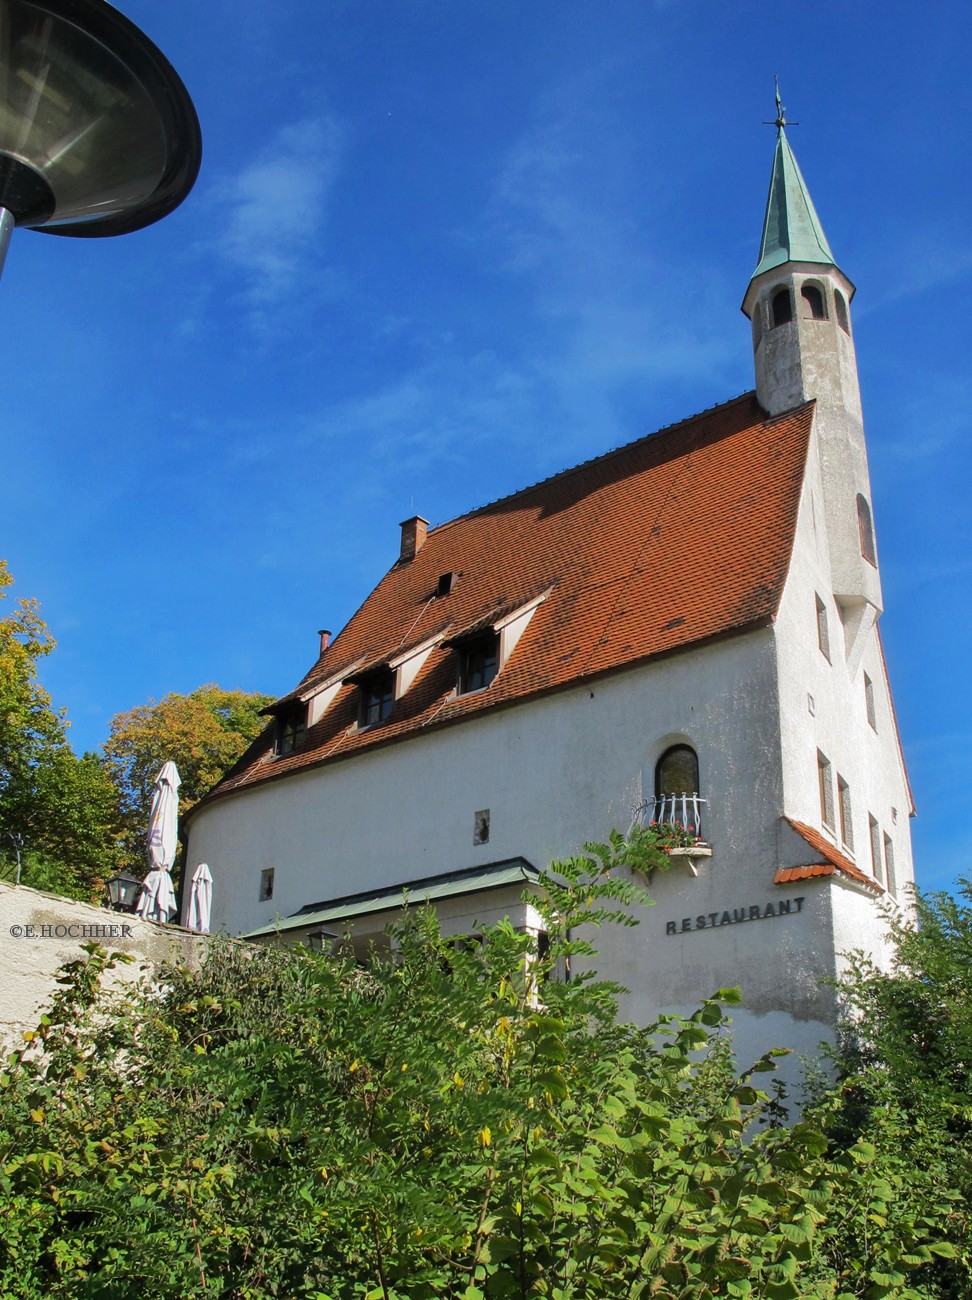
{"x":439,"y":250}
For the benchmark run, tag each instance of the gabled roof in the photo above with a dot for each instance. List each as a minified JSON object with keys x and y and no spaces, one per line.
{"x":668,"y":542}
{"x":834,"y":862}
{"x":791,"y":228}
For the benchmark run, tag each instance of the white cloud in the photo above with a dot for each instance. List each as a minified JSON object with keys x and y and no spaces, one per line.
{"x":275,"y":208}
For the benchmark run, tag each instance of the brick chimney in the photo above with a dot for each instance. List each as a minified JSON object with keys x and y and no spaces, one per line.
{"x":414,"y":532}
{"x":325,"y":636}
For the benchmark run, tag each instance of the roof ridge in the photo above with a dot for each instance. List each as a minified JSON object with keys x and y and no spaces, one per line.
{"x":594,"y":460}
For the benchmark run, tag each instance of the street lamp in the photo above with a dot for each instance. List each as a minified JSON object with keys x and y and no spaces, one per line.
{"x":98,"y":135}
{"x":123,"y":892}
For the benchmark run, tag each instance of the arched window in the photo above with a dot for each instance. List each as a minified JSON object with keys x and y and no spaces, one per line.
{"x":757,"y":325}
{"x":677,"y":788}
{"x":782,"y":307}
{"x":815,"y":301}
{"x":866,"y":530}
{"x":843,"y":320}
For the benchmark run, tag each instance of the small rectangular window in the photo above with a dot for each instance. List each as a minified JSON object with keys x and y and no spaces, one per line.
{"x":478,"y":663}
{"x":889,"y":866}
{"x":875,"y":849}
{"x":826,"y":790}
{"x":846,"y":817}
{"x":869,"y":701}
{"x":823,"y":635}
{"x":291,"y":730}
{"x":377,"y":698}
{"x":266,"y":885}
{"x":481,"y":826}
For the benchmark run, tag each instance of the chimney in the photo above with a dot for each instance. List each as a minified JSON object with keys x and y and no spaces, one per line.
{"x":325,"y":636}
{"x":414,"y":531}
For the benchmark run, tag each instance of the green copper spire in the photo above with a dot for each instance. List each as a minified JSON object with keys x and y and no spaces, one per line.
{"x":791,"y":228}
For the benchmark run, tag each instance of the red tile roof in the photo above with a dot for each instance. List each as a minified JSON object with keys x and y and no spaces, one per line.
{"x":680,"y":537}
{"x":834,"y":861}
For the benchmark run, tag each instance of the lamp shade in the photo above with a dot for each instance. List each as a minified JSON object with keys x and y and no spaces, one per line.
{"x":123,"y":892}
{"x":98,"y":135}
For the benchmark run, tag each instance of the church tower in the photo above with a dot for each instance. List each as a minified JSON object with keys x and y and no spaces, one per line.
{"x":798,"y":301}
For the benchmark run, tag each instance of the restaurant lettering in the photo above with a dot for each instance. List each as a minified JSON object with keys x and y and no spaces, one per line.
{"x":712,"y":920}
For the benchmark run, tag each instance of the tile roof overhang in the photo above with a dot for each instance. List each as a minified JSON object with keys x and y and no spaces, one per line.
{"x":667,"y":543}
{"x":834,"y":862}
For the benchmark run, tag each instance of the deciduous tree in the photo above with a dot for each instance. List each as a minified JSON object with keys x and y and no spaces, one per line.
{"x":203,"y":733}
{"x":58,"y":810}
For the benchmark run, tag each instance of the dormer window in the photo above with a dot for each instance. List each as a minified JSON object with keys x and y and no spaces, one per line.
{"x":291,"y":729}
{"x":478,"y":662}
{"x":376,"y":698}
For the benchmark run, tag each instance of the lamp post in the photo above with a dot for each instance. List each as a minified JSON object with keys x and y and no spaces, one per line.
{"x":98,"y":135}
{"x":123,"y":892}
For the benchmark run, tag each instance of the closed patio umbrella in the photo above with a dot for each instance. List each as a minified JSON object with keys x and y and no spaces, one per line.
{"x":200,"y":899}
{"x":157,"y":900}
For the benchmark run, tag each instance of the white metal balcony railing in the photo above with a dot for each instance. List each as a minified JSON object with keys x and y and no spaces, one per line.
{"x":682,"y":810}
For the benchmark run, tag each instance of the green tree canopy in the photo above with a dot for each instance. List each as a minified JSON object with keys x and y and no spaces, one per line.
{"x":904,"y":1059}
{"x":60,"y":811}
{"x":203,"y":733}
{"x":455,"y":1122}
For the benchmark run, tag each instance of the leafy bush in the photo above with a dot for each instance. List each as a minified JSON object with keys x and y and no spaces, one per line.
{"x":453,"y":1122}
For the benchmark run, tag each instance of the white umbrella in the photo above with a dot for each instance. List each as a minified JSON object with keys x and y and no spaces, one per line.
{"x":200,"y":899}
{"x":157,"y":899}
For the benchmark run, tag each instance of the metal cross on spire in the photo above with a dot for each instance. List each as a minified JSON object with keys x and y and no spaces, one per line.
{"x":781,"y":118}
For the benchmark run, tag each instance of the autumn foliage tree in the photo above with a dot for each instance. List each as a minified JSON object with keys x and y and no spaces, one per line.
{"x":58,"y":812}
{"x":203,"y":733}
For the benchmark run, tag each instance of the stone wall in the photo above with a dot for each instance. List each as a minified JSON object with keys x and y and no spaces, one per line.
{"x":40,"y":932}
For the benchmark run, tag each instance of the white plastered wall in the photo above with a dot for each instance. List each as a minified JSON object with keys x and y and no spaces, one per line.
{"x":554,"y":773}
{"x":822,"y":707}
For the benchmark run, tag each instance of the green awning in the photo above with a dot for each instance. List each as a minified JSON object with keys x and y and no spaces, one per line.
{"x":512,"y":871}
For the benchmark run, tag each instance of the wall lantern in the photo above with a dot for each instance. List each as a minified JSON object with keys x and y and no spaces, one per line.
{"x":321,"y":940}
{"x":123,"y":891}
{"x":98,"y":136}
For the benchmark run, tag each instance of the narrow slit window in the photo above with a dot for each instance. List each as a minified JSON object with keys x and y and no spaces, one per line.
{"x":866,"y":530}
{"x":875,"y":849}
{"x":869,"y":702}
{"x":823,"y":634}
{"x":846,"y":815}
{"x":826,"y":783}
{"x":889,"y":866}
{"x":266,"y":885}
